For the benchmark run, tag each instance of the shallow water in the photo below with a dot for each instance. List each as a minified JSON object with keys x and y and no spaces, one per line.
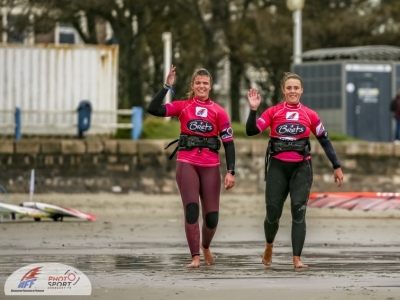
{"x":240,"y":262}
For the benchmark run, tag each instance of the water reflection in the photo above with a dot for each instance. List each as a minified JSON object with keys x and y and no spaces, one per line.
{"x":247,"y":264}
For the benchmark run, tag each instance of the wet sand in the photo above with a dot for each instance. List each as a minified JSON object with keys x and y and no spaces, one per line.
{"x":137,"y":250}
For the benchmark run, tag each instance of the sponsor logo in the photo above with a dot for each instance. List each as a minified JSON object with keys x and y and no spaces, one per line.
{"x":47,"y":279}
{"x":287,"y":139}
{"x":200,"y":126}
{"x":290,"y":129}
{"x":201,"y":112}
{"x":29,"y":279}
{"x":320,"y":129}
{"x":227,"y":133}
{"x":292,"y":116}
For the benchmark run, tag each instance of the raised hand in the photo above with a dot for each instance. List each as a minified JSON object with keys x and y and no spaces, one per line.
{"x":171,"y":76}
{"x":254,"y":99}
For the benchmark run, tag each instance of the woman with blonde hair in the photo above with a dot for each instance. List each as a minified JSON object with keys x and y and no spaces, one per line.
{"x":202,"y":123}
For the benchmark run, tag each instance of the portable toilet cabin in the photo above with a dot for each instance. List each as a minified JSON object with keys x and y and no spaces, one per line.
{"x":351,"y":89}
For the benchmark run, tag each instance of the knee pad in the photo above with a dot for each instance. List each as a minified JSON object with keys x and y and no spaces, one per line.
{"x":273,"y":213}
{"x":298,"y":212}
{"x":212,"y":219}
{"x":192,"y":213}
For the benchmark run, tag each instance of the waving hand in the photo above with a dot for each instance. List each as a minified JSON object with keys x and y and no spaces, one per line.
{"x":254,"y":99}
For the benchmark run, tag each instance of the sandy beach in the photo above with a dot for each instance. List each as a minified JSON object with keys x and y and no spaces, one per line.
{"x":137,"y":250}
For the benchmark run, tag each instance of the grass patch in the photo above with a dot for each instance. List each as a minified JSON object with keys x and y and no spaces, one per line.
{"x":123,"y":134}
{"x":160,"y":128}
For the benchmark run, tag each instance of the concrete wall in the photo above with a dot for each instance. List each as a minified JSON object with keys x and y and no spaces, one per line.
{"x":73,"y":166}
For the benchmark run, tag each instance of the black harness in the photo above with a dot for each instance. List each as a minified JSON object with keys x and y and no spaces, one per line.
{"x":275,"y":146}
{"x":189,"y":142}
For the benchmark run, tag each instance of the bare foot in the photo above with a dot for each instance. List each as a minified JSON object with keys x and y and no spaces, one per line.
{"x":208,"y":257}
{"x":297,"y":263}
{"x":195,"y":262}
{"x":267,"y":257}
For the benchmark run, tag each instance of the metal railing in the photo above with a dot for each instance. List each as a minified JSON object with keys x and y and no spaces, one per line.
{"x":49,"y":124}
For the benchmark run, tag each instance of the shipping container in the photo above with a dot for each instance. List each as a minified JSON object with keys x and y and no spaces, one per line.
{"x":351,"y":97}
{"x":351,"y":89}
{"x":47,"y":82}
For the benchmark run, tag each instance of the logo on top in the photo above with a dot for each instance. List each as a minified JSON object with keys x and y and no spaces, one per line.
{"x":47,"y":279}
{"x":320,"y":129}
{"x":200,"y":126}
{"x":201,"y":112}
{"x":290,"y":129}
{"x":227,"y":133}
{"x":292,"y":116}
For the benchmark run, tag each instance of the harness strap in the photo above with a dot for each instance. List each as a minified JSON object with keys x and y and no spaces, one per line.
{"x":173,"y":142}
{"x":276,"y":146}
{"x":188,"y":142}
{"x":267,"y":159}
{"x":296,"y":145}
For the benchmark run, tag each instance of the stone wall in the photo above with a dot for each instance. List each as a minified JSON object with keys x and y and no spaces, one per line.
{"x":75,"y":166}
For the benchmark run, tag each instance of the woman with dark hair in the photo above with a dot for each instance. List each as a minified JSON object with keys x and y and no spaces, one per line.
{"x":197,"y":169}
{"x":288,"y":162}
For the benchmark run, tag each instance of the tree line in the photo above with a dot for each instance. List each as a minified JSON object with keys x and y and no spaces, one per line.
{"x":252,"y":38}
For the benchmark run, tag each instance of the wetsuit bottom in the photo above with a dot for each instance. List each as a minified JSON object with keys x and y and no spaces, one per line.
{"x":284,"y":178}
{"x":196,"y":182}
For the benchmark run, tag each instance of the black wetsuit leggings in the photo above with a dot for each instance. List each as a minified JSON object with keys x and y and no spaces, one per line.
{"x":196,"y":182}
{"x":284,"y":178}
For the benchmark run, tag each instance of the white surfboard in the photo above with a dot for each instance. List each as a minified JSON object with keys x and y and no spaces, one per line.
{"x":39,"y":210}
{"x":57,"y":212}
{"x":23,"y":211}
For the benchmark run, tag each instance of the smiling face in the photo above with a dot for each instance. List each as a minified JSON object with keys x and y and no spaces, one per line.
{"x":292,"y":91}
{"x":201,"y":87}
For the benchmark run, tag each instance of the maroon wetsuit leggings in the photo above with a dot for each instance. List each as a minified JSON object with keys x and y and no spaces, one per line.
{"x":196,"y":182}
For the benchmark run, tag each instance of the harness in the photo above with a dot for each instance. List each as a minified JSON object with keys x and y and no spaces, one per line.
{"x":189,"y":142}
{"x":275,"y":146}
